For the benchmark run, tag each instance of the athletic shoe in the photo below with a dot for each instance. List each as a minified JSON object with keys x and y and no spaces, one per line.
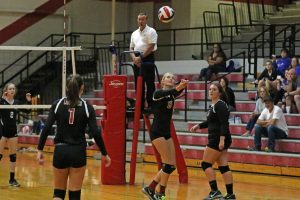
{"x":159,"y":196}
{"x":267,"y":149}
{"x":214,"y":195}
{"x":14,"y":183}
{"x":148,"y":192}
{"x":254,"y":149}
{"x":229,"y":197}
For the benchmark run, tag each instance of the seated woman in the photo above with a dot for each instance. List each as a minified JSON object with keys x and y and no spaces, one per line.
{"x":259,"y":106}
{"x":269,"y":74}
{"x":229,"y":93}
{"x":294,"y":63}
{"x":268,"y":79}
{"x":216,"y":61}
{"x":290,"y":92}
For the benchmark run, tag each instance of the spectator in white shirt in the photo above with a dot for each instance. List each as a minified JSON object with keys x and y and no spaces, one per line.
{"x":271,"y":123}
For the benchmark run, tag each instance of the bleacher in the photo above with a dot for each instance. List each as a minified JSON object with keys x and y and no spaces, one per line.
{"x":285,"y":161}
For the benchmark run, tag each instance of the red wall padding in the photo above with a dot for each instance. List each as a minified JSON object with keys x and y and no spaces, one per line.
{"x":113,"y":126}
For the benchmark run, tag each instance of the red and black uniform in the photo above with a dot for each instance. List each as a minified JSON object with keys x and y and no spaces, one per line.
{"x":163,"y":103}
{"x":9,"y":119}
{"x":70,"y":143}
{"x":217,"y":124}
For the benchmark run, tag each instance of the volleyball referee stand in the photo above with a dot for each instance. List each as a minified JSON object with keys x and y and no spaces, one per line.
{"x":138,"y":114}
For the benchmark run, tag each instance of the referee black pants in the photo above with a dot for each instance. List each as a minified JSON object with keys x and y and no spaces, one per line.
{"x":148,"y":74}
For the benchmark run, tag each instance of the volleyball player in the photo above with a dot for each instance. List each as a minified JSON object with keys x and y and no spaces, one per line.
{"x":9,"y":128}
{"x":72,"y":115}
{"x":219,"y":140}
{"x":160,"y":133}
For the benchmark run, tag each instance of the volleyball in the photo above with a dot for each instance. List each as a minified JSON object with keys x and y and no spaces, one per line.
{"x":166,"y":14}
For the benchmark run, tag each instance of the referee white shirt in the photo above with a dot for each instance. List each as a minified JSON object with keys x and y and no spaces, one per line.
{"x":140,"y":40}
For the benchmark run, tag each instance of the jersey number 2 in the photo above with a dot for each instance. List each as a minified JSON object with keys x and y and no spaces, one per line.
{"x":71,"y":116}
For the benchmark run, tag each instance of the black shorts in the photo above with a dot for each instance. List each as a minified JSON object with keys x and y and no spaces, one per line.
{"x":9,"y":134}
{"x":66,"y":156}
{"x":155,"y":135}
{"x":213,"y":142}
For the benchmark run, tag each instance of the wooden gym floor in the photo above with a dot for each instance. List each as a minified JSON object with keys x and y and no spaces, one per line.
{"x":36,"y":183}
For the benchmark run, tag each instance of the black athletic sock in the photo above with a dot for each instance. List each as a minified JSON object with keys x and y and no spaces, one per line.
{"x":213,"y":185}
{"x":229,"y":188}
{"x":12,"y":175}
{"x":74,"y":195}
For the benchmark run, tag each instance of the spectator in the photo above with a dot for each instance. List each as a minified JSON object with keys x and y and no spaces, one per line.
{"x":229,"y":93}
{"x":259,"y":106}
{"x":271,"y":123}
{"x":294,"y":63}
{"x":290,"y":91}
{"x":283,"y":63}
{"x":296,"y":92}
{"x":269,"y":74}
{"x":216,"y":62}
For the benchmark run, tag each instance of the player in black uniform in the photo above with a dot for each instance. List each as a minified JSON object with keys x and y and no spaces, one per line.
{"x":72,"y":115}
{"x":160,"y":133}
{"x":219,"y":140}
{"x":9,"y":128}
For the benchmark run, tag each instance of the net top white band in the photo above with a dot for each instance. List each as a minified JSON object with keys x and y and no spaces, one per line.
{"x":39,"y":107}
{"x":33,"y":48}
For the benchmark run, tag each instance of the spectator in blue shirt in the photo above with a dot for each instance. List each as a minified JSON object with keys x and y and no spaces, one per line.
{"x":283,"y":63}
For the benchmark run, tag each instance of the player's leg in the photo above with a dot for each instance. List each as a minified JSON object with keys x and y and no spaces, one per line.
{"x":210,"y":156}
{"x":12,"y":151}
{"x":165,"y":147}
{"x":226,"y":174}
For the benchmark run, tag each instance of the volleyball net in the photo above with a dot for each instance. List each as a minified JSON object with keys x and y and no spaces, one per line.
{"x":26,"y":64}
{"x":110,"y":118}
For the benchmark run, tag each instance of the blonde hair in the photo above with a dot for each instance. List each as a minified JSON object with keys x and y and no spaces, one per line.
{"x":5,"y":88}
{"x":164,"y":77}
{"x":264,"y":88}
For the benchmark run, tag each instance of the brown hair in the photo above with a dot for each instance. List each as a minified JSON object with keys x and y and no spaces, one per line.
{"x":74,"y":83}
{"x":223,"y":95}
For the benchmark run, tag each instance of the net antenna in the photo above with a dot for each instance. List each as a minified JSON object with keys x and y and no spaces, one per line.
{"x":112,"y":46}
{"x":64,"y":63}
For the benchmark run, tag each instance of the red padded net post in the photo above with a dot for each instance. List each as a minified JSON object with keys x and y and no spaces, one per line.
{"x":113,"y":126}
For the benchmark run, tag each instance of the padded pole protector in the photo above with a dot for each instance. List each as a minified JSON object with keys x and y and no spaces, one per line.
{"x":113,"y":127}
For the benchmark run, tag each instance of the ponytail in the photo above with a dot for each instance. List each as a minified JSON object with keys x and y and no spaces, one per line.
{"x":74,"y":83}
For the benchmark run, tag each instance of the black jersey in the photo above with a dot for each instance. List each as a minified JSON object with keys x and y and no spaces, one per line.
{"x":9,"y":117}
{"x":163,"y":109}
{"x":71,"y":124}
{"x":217,"y":120}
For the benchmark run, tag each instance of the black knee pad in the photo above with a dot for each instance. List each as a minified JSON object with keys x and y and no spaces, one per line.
{"x":59,"y":193}
{"x":224,"y":169}
{"x":1,"y":156}
{"x":13,"y":157}
{"x":168,"y":169}
{"x":74,"y":195}
{"x":205,"y":165}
